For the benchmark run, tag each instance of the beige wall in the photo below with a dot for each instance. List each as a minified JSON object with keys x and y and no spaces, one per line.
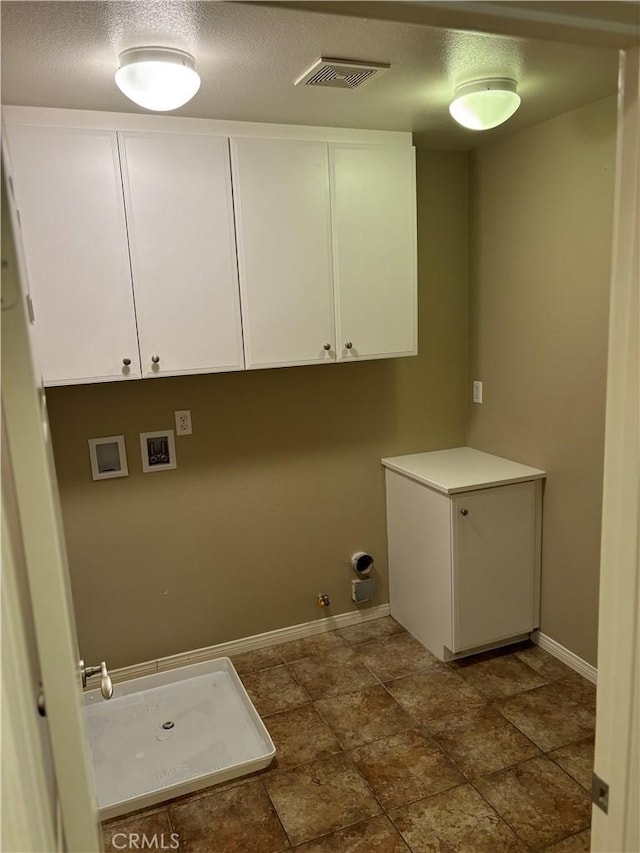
{"x":279,"y":483}
{"x":541,"y":206}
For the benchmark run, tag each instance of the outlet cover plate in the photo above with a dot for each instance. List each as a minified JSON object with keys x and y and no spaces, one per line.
{"x":183,"y":422}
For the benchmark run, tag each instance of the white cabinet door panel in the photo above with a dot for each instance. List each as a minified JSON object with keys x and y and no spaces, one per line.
{"x":493,"y":564}
{"x":374,"y":239}
{"x":69,"y":192}
{"x":419,"y":560}
{"x":180,"y":220}
{"x":281,"y":193}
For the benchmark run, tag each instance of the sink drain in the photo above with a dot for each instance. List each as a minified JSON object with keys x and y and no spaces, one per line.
{"x":168,"y":725}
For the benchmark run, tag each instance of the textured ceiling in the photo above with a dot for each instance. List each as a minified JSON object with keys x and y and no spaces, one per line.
{"x":63,"y":54}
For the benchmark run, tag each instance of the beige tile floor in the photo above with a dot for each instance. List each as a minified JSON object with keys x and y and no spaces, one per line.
{"x":383,"y":749}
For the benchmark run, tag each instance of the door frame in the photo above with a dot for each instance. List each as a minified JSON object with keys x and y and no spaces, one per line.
{"x":29,"y":799}
{"x":617,"y":752}
{"x":42,"y":536}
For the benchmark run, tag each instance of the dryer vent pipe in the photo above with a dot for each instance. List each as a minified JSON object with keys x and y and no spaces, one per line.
{"x":361,"y":563}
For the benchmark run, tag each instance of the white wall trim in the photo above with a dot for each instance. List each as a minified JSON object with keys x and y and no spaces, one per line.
{"x":566,"y":656}
{"x":249,"y":644}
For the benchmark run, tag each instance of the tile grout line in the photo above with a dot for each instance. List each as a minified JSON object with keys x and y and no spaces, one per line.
{"x":417,"y":725}
{"x":369,"y":788}
{"x":564,"y":838}
{"x":341,"y":751}
{"x":345,"y":752}
{"x":424,"y":730}
{"x":276,"y":812}
{"x":571,"y":776}
{"x":489,"y":703}
{"x":515,"y":726}
{"x":501,"y":816}
{"x":518,"y":836}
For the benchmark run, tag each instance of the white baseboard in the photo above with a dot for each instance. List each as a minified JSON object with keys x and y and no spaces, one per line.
{"x":249,"y":644}
{"x":126,"y":673}
{"x":567,"y":657}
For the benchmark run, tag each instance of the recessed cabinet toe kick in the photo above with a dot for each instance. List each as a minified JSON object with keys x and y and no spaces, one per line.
{"x":464,"y":530}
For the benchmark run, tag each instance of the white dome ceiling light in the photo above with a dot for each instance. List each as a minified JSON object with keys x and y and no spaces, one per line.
{"x":483,"y":104}
{"x":157,"y":78}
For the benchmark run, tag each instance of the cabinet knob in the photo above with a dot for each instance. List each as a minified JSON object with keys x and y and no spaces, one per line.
{"x":327,"y":347}
{"x":155,"y":359}
{"x":464,"y":511}
{"x":126,"y":362}
{"x":348,"y":345}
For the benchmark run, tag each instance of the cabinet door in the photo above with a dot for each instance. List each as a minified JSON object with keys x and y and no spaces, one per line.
{"x":494,"y":552}
{"x":281,"y":192}
{"x":419,"y":538}
{"x":374,"y":240}
{"x":69,"y":192}
{"x":180,"y":221}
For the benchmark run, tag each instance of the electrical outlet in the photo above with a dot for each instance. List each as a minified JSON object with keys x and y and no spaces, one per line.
{"x":183,"y":422}
{"x":477,"y":392}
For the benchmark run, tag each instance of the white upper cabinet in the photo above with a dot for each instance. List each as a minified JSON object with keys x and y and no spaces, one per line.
{"x":159,"y":246}
{"x":326,"y":250}
{"x":68,"y":190}
{"x":374,"y":245}
{"x":282,"y":207}
{"x":183,"y":256}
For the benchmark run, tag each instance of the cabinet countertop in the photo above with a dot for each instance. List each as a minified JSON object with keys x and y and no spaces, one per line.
{"x":461,"y":469}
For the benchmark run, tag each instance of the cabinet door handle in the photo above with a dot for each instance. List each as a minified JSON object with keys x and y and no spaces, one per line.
{"x":348,"y":345}
{"x":42,"y":708}
{"x":327,"y":347}
{"x":155,"y":359}
{"x":126,"y":362}
{"x":464,"y":512}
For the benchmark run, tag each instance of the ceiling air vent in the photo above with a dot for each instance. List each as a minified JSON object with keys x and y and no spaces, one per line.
{"x":341,"y":73}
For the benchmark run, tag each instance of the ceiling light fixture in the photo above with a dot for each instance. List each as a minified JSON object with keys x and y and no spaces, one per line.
{"x":483,"y":104}
{"x":157,"y":78}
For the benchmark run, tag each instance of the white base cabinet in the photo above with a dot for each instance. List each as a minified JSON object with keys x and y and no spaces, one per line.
{"x":464,"y":532}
